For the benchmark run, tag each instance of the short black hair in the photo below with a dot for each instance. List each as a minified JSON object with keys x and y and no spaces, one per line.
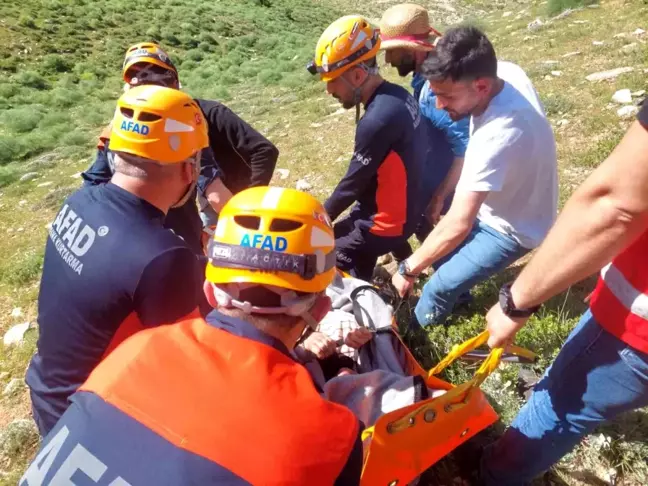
{"x":462,"y":54}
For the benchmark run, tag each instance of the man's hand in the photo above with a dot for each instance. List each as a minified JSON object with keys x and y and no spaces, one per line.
{"x":403,"y":285}
{"x":358,"y":337}
{"x":320,"y":345}
{"x":502,"y":328}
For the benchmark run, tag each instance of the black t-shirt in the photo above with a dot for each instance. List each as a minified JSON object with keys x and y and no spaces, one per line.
{"x":245,"y":157}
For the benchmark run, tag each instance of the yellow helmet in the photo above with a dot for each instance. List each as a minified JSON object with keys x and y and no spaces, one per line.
{"x":148,"y":63}
{"x":157,"y":123}
{"x":345,"y":43}
{"x":276,"y":237}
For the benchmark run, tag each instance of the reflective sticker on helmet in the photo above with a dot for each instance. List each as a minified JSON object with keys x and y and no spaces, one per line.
{"x":174,"y":126}
{"x":320,"y":238}
{"x":323,"y":218}
{"x":272,"y":197}
{"x":362,"y":36}
{"x":131,"y":126}
{"x":265,"y":242}
{"x":220,"y":227}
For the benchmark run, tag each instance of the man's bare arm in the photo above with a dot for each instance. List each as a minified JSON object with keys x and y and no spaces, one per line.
{"x":450,"y":231}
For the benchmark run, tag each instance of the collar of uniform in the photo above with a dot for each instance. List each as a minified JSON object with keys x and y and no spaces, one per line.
{"x":378,"y":89}
{"x":239,"y":327}
{"x":132,"y":199}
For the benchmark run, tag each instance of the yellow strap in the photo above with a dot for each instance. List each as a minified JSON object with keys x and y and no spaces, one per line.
{"x":366,"y":433}
{"x":459,"y":350}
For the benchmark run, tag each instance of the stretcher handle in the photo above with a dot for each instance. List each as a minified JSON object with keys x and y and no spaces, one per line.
{"x":458,"y":350}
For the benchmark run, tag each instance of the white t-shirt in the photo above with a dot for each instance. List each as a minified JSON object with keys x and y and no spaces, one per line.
{"x":512,"y":154}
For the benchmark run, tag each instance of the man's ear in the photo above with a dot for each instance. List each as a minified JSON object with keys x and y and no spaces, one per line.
{"x":321,"y":307}
{"x":208,"y":288}
{"x":482,"y":85}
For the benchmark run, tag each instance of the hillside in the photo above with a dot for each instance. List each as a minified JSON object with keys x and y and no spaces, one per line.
{"x":59,"y":77}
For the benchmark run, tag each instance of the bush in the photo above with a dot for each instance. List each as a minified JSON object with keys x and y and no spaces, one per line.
{"x":8,"y":90}
{"x":10,"y":148}
{"x":32,"y":80}
{"x":269,"y":77}
{"x":54,"y":63}
{"x":21,"y":120}
{"x":554,"y":7}
{"x":195,"y":55}
{"x":65,"y":98}
{"x":26,"y":21}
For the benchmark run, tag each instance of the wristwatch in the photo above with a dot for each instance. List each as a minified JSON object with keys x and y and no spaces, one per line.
{"x":508,"y":306}
{"x":405,"y":271}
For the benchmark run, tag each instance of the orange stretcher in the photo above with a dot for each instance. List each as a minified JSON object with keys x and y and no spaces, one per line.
{"x":406,"y":442}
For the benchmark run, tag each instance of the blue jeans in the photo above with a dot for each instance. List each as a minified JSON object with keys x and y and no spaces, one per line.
{"x":594,"y":377}
{"x":482,"y":254}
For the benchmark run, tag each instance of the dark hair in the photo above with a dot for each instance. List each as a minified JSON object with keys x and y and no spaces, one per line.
{"x":462,"y":54}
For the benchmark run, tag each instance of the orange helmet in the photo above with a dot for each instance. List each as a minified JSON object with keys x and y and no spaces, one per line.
{"x":275,"y":237}
{"x":158,"y":123}
{"x":347,"y":42}
{"x":148,"y":63}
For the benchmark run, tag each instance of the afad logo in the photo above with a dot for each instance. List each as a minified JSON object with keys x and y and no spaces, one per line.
{"x":265,"y":242}
{"x":131,"y":126}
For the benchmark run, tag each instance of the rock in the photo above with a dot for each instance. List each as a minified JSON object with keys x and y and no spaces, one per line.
{"x":17,"y":312}
{"x":611,"y":74}
{"x":628,"y":111}
{"x":623,"y":97}
{"x":639,"y":93}
{"x":629,"y":47}
{"x":562,"y":123}
{"x":22,"y":202}
{"x":535,"y":25}
{"x":28,"y":176}
{"x":283,"y":173}
{"x":571,"y":54}
{"x":316,"y":125}
{"x":507,"y":14}
{"x":550,"y":62}
{"x":548,"y":77}
{"x":303,"y":185}
{"x":598,"y":43}
{"x":12,"y":387}
{"x":556,"y":73}
{"x":566,"y":13}
{"x":45,"y":184}
{"x":16,"y":334}
{"x":639,"y":32}
{"x":76,"y":176}
{"x":18,"y":437}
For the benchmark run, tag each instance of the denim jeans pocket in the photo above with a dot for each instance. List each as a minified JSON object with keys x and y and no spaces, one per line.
{"x":637,"y":362}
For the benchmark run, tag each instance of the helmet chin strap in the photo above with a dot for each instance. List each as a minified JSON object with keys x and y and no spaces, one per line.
{"x":291,"y":304}
{"x":357,"y":91}
{"x":194,"y":160}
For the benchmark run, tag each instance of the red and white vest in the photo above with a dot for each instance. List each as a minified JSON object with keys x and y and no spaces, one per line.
{"x":620,"y":301}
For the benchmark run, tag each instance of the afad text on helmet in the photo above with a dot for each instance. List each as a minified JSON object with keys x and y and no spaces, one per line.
{"x":131,"y":126}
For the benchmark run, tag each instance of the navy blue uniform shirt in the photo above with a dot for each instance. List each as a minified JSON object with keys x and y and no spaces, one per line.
{"x":110,"y":269}
{"x":388,"y":163}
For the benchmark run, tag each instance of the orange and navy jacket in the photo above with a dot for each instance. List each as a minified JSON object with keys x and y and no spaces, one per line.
{"x":202,"y":402}
{"x":110,"y":269}
{"x":387,"y":166}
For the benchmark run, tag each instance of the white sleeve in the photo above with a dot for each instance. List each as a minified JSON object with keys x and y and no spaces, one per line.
{"x":491,"y":150}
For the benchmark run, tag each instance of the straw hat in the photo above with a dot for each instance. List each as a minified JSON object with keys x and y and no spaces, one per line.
{"x":407,"y":25}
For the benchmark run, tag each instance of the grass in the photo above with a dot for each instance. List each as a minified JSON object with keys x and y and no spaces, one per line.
{"x":59,"y":77}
